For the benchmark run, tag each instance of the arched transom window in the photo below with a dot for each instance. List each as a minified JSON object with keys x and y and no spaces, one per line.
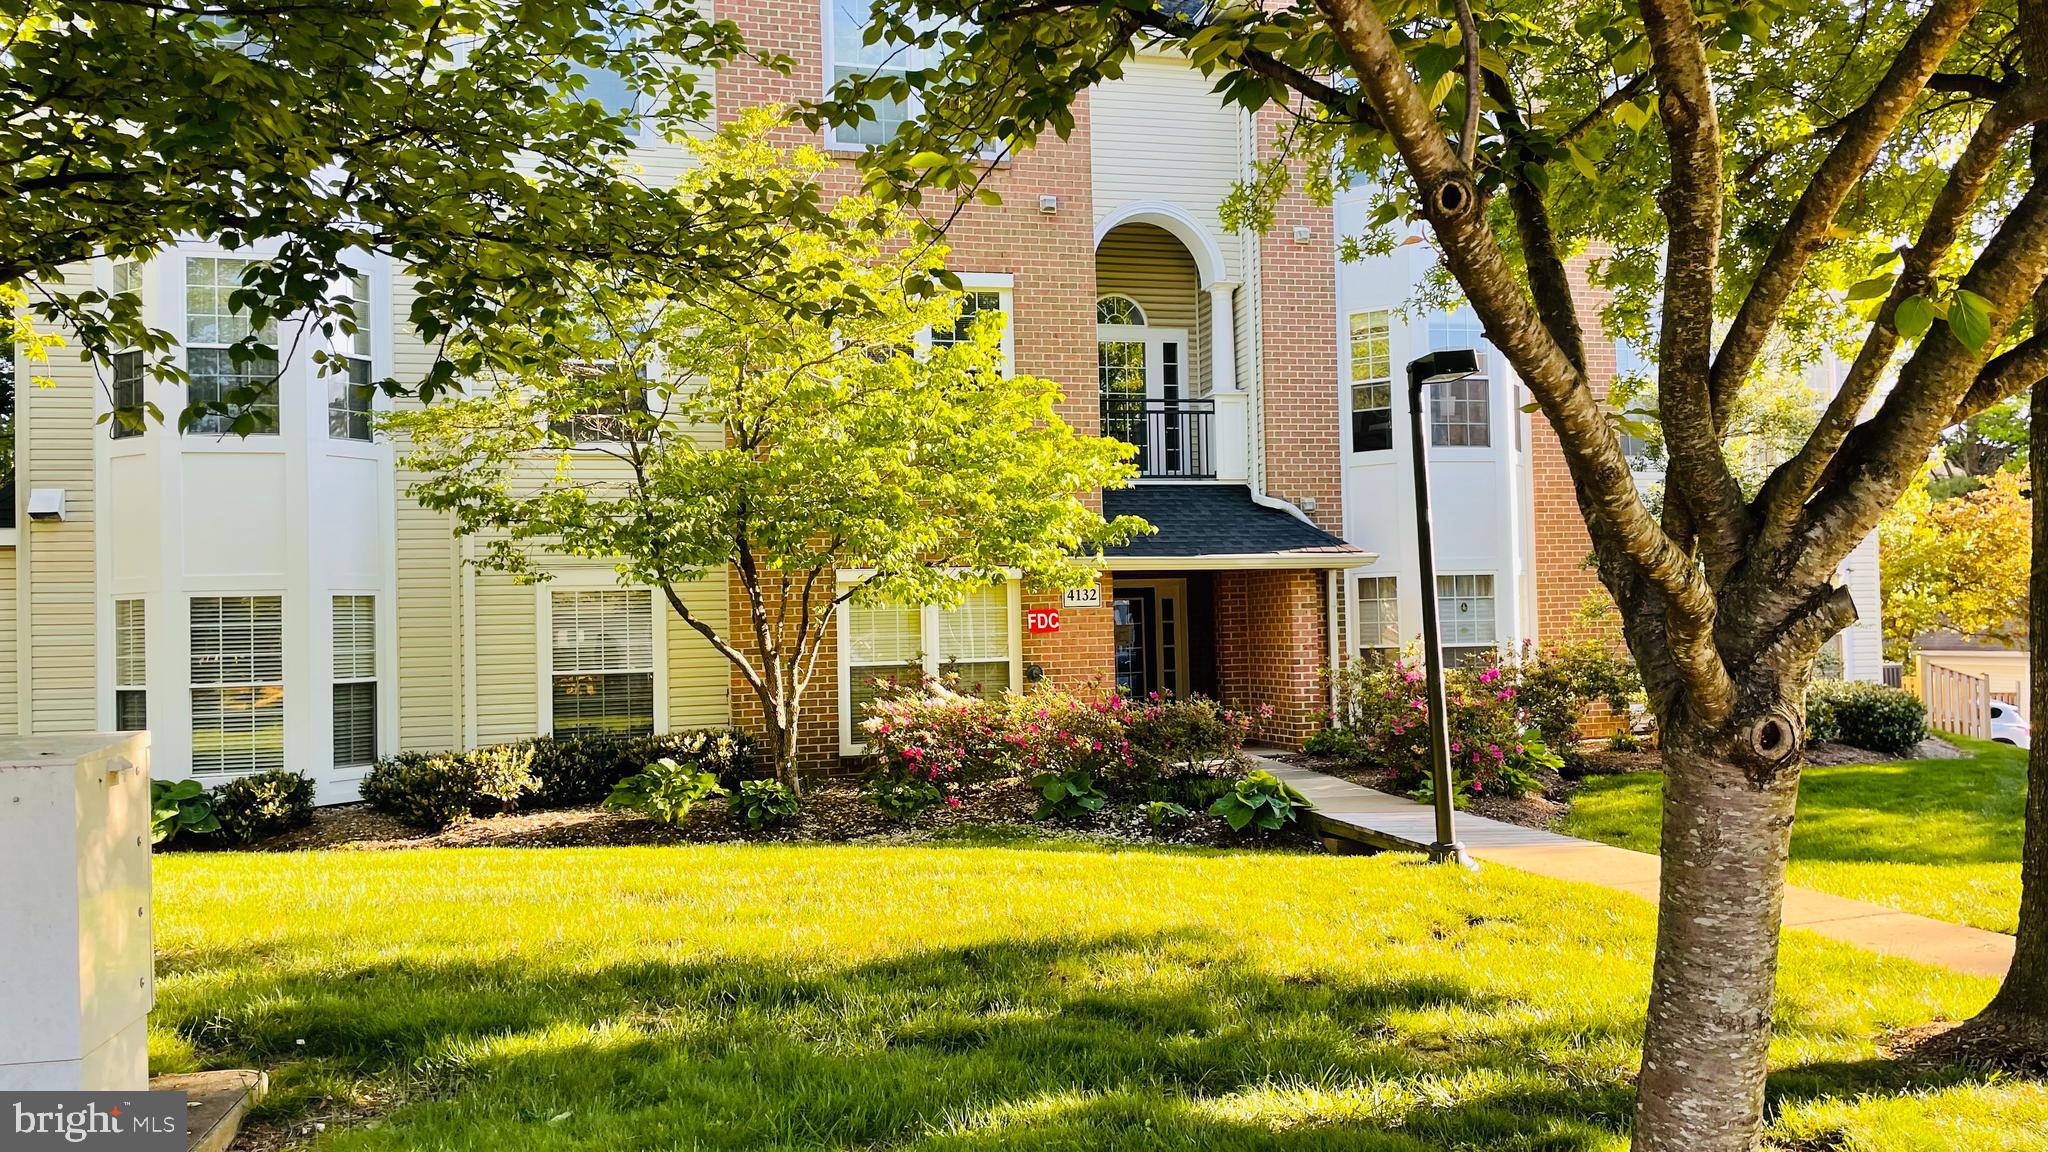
{"x":1118,"y":310}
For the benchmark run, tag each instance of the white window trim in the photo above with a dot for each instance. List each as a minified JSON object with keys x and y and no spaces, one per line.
{"x":1003,"y":284}
{"x":383,"y":716}
{"x":1352,"y":379}
{"x":284,"y":681}
{"x":1495,"y":597}
{"x":544,"y":630}
{"x":260,"y":440}
{"x":928,"y":626}
{"x":1353,"y":624}
{"x":906,"y":60}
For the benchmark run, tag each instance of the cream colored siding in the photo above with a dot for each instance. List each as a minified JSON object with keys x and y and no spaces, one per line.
{"x":1151,"y":266}
{"x":429,"y":565}
{"x":507,"y":658}
{"x":1159,"y":133}
{"x":58,"y":565}
{"x":10,"y":681}
{"x":698,"y":677}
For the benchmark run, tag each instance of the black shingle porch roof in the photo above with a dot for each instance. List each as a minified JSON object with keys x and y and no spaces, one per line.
{"x":1203,"y":520}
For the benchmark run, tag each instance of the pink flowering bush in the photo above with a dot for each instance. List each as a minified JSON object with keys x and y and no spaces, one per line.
{"x":1384,"y":708}
{"x":1075,"y":751}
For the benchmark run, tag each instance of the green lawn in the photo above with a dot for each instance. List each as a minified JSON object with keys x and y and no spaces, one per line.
{"x":1936,"y":837}
{"x":1015,"y":995}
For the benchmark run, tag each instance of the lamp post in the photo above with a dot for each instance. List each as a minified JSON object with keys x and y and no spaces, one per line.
{"x":1435,"y":368}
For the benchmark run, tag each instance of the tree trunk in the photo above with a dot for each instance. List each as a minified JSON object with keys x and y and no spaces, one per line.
{"x":1728,"y":801}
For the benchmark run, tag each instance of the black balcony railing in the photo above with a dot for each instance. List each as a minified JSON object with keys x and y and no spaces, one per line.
{"x":1172,"y":436}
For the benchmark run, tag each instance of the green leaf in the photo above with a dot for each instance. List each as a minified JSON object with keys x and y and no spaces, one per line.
{"x":1873,"y":288}
{"x":1914,"y":315}
{"x":1969,"y":318}
{"x":925,"y":161}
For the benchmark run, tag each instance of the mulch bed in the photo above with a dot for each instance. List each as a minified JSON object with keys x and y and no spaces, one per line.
{"x":833,"y":812}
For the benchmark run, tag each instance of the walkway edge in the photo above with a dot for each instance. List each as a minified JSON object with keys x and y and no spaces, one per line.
{"x":1376,"y":821}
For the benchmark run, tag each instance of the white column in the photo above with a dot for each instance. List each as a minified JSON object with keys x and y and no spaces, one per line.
{"x":1222,"y":336}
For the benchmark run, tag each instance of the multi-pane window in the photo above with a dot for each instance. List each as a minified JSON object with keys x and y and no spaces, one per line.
{"x":1465,"y":617}
{"x":603,"y":661}
{"x":348,"y":379}
{"x":608,"y":86}
{"x":852,"y":56}
{"x":1379,"y":617}
{"x":1118,"y":310}
{"x":972,"y":305}
{"x":237,"y":683}
{"x":606,"y":420}
{"x":1460,"y":414}
{"x":1372,"y":383}
{"x":131,"y":666}
{"x":974,"y":641}
{"x":211,"y":328}
{"x":1460,"y":329}
{"x":127,"y":387}
{"x":355,"y":680}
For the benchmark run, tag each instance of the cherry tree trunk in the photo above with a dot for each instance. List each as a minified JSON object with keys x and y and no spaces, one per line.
{"x":1729,"y":792}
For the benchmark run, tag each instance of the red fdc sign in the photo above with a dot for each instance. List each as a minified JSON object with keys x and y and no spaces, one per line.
{"x":1042,"y":620}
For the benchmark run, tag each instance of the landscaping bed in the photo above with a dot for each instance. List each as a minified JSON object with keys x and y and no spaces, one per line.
{"x":833,"y":812}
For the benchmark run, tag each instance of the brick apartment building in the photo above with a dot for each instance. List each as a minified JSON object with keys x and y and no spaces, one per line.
{"x":279,"y":601}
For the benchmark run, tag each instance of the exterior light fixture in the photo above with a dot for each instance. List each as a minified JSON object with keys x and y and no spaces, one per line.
{"x":1435,"y":368}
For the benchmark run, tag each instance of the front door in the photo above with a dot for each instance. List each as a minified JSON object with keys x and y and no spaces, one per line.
{"x":1136,"y":655}
{"x":1144,"y":376}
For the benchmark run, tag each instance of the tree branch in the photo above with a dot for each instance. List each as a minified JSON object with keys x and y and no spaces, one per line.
{"x":1548,"y":282}
{"x":1805,"y":231}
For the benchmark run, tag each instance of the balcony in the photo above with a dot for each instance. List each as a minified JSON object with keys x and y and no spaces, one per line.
{"x":1175,"y":438}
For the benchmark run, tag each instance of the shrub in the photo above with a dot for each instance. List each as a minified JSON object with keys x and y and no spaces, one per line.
{"x":1495,"y":748}
{"x":1336,"y":742}
{"x":503,"y":773}
{"x":762,"y":804}
{"x":1820,"y":714}
{"x":1068,"y":794}
{"x":1166,"y":733}
{"x":1871,"y":716}
{"x":1159,"y":813}
{"x":584,"y":769}
{"x":665,"y":790}
{"x":1260,"y":801}
{"x":1554,"y":686}
{"x":252,"y":808}
{"x":905,"y":796}
{"x":1624,"y":741}
{"x":179,"y":808}
{"x":425,"y":790}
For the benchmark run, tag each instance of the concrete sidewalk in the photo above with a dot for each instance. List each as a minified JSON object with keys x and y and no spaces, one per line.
{"x":1376,"y":820}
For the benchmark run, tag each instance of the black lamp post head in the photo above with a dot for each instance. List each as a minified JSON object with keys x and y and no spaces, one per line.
{"x":1443,"y":364}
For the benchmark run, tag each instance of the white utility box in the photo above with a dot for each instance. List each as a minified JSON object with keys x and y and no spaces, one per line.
{"x":76,"y":963}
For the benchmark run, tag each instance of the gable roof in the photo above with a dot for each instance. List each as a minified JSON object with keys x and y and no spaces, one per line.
{"x":1199,"y":520}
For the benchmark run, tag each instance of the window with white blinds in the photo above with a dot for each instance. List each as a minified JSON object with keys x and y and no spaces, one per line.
{"x":237,"y":683}
{"x":885,"y":646}
{"x":974,"y":642}
{"x":1465,"y":613}
{"x":1379,"y":617}
{"x":131,"y":666}
{"x":602,"y":653}
{"x":355,"y":680}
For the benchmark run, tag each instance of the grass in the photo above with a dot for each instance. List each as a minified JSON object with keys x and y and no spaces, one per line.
{"x":978,"y":996}
{"x":1937,"y":837}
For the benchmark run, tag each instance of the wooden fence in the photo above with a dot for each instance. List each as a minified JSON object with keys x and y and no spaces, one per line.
{"x":1956,"y":701}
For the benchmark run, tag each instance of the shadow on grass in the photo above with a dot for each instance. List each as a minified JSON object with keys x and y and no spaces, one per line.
{"x":1113,"y":1041}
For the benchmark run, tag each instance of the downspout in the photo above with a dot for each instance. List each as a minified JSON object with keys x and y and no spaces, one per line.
{"x":1331,"y":579}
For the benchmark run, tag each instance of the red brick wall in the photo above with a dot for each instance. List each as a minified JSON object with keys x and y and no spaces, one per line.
{"x":1270,"y":649}
{"x":1564,"y":579}
{"x":1298,"y":351}
{"x":1052,"y":261}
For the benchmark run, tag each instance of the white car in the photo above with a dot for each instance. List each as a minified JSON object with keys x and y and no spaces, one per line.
{"x":2007,"y":727}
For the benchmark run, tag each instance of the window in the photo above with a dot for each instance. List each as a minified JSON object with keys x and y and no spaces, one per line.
{"x":131,"y":666}
{"x":1464,"y":606}
{"x":1118,"y":310}
{"x":211,"y":327}
{"x":1459,"y":415}
{"x":852,"y":56}
{"x":972,"y":305}
{"x":888,"y":647}
{"x":603,"y":661}
{"x":607,"y":86}
{"x":237,"y":683}
{"x":974,"y":641}
{"x":126,"y":420}
{"x":127,"y":417}
{"x":1460,"y":329}
{"x":1372,"y":383}
{"x":1379,"y":617}
{"x":348,"y":380}
{"x":355,"y":680}
{"x":606,"y":421}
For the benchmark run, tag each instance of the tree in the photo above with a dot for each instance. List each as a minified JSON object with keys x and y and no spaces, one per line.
{"x":454,"y":136}
{"x":1959,"y":563}
{"x":1757,"y":170}
{"x":790,"y":429}
{"x":1992,"y":440}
